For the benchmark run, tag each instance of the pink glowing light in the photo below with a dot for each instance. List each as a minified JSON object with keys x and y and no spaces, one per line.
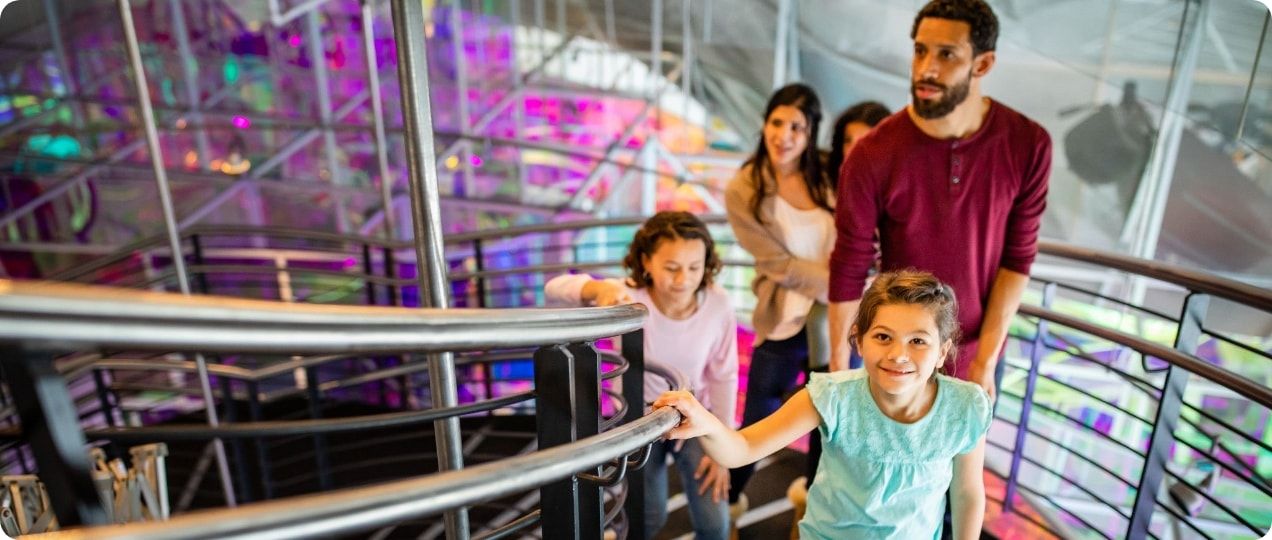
{"x":242,"y":122}
{"x":294,"y":40}
{"x":476,"y":161}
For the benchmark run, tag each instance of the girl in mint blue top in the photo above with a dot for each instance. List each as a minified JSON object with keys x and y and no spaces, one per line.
{"x":897,"y":435}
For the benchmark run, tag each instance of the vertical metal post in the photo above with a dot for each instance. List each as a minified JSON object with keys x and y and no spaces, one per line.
{"x":561,"y":31}
{"x":103,"y":397}
{"x":387,"y":180}
{"x":555,"y":391}
{"x":170,"y":220}
{"x":320,"y":441}
{"x":461,"y":83}
{"x":781,"y":42}
{"x":655,"y":49}
{"x":50,"y":426}
{"x":633,"y":347}
{"x":190,"y":71}
{"x":611,"y":31}
{"x":649,"y":178}
{"x":587,"y":420}
{"x":262,"y":452}
{"x":202,"y":277}
{"x":390,"y":271}
{"x":1144,"y":222}
{"x":1254,"y":73}
{"x":707,"y":12}
{"x":408,"y":33}
{"x":1036,"y":354}
{"x":479,"y":263}
{"x":686,"y":51}
{"x":318,"y":62}
{"x":63,"y":63}
{"x":369,"y":270}
{"x":519,"y":108}
{"x":236,"y":446}
{"x":1162,"y":440}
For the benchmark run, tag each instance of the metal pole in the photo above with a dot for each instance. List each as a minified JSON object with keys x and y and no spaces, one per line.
{"x":1162,"y":440}
{"x":317,"y":61}
{"x":190,"y":70}
{"x":461,"y":81}
{"x":1150,"y":201}
{"x":686,"y":51}
{"x":655,"y":44}
{"x":1254,"y":72}
{"x":1036,"y":354}
{"x":426,"y":224}
{"x":63,"y":65}
{"x":170,"y":220}
{"x":377,"y":118}
{"x":519,"y":109}
{"x":780,"y":43}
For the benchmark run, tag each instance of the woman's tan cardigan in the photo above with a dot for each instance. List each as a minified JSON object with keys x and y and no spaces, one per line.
{"x":776,"y":270}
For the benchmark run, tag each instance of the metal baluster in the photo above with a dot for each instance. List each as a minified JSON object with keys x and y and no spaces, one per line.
{"x":1036,"y":354}
{"x":1163,"y":437}
{"x":262,"y":452}
{"x":554,"y":383}
{"x":587,"y":420}
{"x":50,"y":425}
{"x":633,"y":345}
{"x":320,"y":441}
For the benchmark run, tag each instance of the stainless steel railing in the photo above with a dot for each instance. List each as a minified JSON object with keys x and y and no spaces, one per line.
{"x":1163,"y":409}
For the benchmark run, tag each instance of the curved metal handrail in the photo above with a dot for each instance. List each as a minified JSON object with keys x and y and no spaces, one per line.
{"x":1251,"y":390}
{"x":359,"y":509}
{"x":63,"y":315}
{"x":161,"y":240}
{"x":1250,"y":295}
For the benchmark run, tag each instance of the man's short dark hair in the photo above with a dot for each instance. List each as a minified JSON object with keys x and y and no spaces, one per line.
{"x":976,"y":13}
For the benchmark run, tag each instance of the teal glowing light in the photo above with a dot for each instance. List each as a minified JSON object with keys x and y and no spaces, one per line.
{"x":57,"y":146}
{"x":231,"y":69}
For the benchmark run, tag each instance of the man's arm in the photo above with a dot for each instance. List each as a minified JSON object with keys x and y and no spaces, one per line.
{"x":857,"y":214}
{"x":1019,"y":249}
{"x":1004,"y":300}
{"x":841,"y":317}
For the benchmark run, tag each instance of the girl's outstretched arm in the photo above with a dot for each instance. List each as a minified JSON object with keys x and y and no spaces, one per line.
{"x":967,"y":493}
{"x":737,"y":448}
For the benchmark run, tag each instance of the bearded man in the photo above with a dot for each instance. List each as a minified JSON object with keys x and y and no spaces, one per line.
{"x":955,"y":184}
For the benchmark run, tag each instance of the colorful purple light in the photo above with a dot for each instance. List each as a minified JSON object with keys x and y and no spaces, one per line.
{"x":476,"y":160}
{"x":242,"y":122}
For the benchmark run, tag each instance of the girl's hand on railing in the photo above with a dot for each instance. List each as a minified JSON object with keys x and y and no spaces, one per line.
{"x":696,"y":421}
{"x":603,"y":293}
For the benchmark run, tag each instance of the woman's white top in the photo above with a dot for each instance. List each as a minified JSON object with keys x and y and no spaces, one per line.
{"x":809,"y":235}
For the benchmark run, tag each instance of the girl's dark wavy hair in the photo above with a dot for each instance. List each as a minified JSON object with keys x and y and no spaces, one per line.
{"x":869,"y":113}
{"x":669,"y":226}
{"x":915,"y":287}
{"x":802,"y":97}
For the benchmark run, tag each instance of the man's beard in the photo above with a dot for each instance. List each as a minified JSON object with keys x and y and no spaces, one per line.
{"x":951,"y":98}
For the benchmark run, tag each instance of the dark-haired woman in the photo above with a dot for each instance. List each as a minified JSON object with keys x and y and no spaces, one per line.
{"x":671,"y":265}
{"x":853,"y":124}
{"x":780,"y":205}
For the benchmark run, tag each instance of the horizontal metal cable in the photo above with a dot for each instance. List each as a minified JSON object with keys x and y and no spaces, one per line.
{"x":1071,"y":452}
{"x":1064,"y":478}
{"x":276,"y":428}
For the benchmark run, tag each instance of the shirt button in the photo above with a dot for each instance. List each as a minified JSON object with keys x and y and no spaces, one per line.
{"x":955,"y":179}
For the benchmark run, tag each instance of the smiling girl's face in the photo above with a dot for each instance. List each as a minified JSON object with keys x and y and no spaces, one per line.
{"x":902,"y":348}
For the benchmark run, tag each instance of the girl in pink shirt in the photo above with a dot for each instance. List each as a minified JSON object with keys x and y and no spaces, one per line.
{"x":670,"y":266}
